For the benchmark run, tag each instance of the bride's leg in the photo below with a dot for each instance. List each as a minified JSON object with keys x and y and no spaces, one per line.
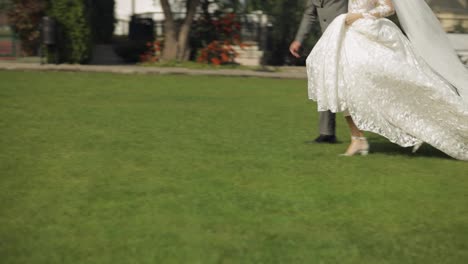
{"x":359,"y":143}
{"x":355,"y":132}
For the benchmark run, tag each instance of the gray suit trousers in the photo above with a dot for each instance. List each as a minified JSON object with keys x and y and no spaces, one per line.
{"x":327,"y":123}
{"x":324,"y":12}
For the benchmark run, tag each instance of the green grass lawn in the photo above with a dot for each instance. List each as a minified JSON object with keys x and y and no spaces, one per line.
{"x":103,"y":168}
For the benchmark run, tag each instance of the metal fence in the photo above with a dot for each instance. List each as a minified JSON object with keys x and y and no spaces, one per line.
{"x":8,"y":42}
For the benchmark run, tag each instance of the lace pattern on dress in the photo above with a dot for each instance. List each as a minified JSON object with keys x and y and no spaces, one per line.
{"x":371,"y":69}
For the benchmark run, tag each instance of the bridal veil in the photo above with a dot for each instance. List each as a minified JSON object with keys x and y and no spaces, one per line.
{"x":431,"y":42}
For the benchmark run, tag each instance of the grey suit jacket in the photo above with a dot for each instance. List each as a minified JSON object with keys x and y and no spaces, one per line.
{"x":322,"y":10}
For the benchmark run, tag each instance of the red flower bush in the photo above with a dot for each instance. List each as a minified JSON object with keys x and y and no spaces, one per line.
{"x":217,"y":53}
{"x":228,"y":28}
{"x":153,"y":54}
{"x":221,"y":51}
{"x":25,"y":16}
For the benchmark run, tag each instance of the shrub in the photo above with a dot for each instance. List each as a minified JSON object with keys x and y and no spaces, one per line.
{"x":25,"y":17}
{"x":226,"y":32}
{"x":153,"y":53}
{"x":74,"y":41}
{"x":217,"y":53}
{"x":228,"y":28}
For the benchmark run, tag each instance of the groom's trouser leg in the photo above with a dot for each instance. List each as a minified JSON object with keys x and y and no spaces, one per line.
{"x":327,"y":123}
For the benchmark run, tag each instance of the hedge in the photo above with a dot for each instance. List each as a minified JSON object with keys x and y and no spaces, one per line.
{"x":74,"y":30}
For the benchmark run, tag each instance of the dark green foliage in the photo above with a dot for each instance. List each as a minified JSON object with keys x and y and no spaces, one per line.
{"x":80,"y":23}
{"x":286,"y":16}
{"x":102,"y":20}
{"x":203,"y":29}
{"x":74,"y":30}
{"x":5,"y":5}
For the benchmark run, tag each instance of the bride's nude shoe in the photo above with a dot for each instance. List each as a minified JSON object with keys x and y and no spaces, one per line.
{"x":359,"y":145}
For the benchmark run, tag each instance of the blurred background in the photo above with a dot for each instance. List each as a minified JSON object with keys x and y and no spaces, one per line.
{"x":219,"y":32}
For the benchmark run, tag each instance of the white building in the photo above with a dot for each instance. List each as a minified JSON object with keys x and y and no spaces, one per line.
{"x":124,"y":9}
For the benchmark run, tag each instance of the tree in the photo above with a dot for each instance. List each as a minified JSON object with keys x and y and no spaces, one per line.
{"x":176,"y":37}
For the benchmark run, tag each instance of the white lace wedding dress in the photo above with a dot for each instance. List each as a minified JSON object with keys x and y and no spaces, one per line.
{"x":371,"y":70}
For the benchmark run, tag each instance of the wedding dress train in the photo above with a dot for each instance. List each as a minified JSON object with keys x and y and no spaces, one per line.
{"x":371,"y":70}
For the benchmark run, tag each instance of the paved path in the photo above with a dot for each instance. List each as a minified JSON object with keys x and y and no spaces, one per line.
{"x":284,"y":73}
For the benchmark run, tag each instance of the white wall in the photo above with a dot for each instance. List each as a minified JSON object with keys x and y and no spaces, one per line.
{"x":123,"y":12}
{"x":123,"y":8}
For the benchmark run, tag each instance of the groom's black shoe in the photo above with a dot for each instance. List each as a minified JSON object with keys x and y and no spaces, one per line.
{"x":330,"y":139}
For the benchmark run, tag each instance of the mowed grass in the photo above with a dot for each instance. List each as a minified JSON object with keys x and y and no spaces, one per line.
{"x":103,"y":168}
